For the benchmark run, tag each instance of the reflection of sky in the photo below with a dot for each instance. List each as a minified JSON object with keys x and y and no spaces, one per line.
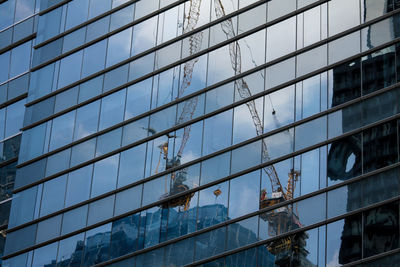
{"x":334,"y":231}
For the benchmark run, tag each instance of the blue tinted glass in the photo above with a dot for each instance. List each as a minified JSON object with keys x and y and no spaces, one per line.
{"x":62,"y":130}
{"x":19,"y":59}
{"x":215,"y":168}
{"x":131,"y":168}
{"x":217,"y":132}
{"x":213,"y":205}
{"x":94,"y":57}
{"x":124,"y":235}
{"x":45,"y":256}
{"x":108,"y":142}
{"x":48,"y":229}
{"x":23,"y":206}
{"x":58,"y":162}
{"x":74,"y":220}
{"x":90,"y":88}
{"x":112,"y":109}
{"x":119,"y":47}
{"x":15,"y":117}
{"x":5,"y":65}
{"x":105,"y":175}
{"x":83,"y":152}
{"x":97,"y":245}
{"x":244,"y":194}
{"x":87,"y":118}
{"x":78,"y":186}
{"x":98,"y":7}
{"x":53,"y":195}
{"x":101,"y":210}
{"x":70,"y":251}
{"x":138,"y":98}
{"x":70,"y":69}
{"x":77,"y":13}
{"x":128,"y":200}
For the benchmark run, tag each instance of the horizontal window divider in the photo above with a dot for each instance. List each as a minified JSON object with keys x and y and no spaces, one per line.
{"x":194,"y":190}
{"x":15,"y":77}
{"x":372,"y":258}
{"x":208,"y":229}
{"x":5,"y":163}
{"x":47,"y":10}
{"x":264,"y":242}
{"x":200,"y":118}
{"x":17,"y":43}
{"x":18,"y":22}
{"x":203,"y":52}
{"x":13,"y":100}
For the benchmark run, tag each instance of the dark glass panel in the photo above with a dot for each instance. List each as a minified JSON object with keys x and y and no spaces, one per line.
{"x":344,"y":159}
{"x":210,"y":243}
{"x":344,"y":83}
{"x":97,"y":245}
{"x":124,"y":235}
{"x":380,"y":146}
{"x":378,"y":70}
{"x":344,"y":241}
{"x":381,"y":229}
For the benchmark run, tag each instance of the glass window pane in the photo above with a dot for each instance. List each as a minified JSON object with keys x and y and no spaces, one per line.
{"x":379,"y":70}
{"x":108,"y":142}
{"x":138,"y":98}
{"x":213,"y":205}
{"x":62,"y":130}
{"x":124,"y":236}
{"x":306,"y":135}
{"x":220,"y":65}
{"x":215,"y":168}
{"x":279,"y":108}
{"x":244,"y":194}
{"x":78,"y":186}
{"x":45,"y":256}
{"x":344,"y":241}
{"x":380,"y":146}
{"x":112,"y":109}
{"x":97,"y":245}
{"x":101,"y":210}
{"x":70,"y":69}
{"x":217,"y":132}
{"x":74,"y":220}
{"x":83,"y":152}
{"x":70,"y":251}
{"x":87,"y":118}
{"x":53,"y":195}
{"x":119,"y":47}
{"x":279,"y":44}
{"x":339,"y":21}
{"x":105,"y":175}
{"x":128,"y":200}
{"x":94,"y":58}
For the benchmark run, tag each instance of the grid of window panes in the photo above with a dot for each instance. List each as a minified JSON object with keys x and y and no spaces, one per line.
{"x":203,"y":132}
{"x":17,"y":31}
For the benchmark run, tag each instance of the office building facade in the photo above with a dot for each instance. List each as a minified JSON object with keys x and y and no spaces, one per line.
{"x":200,"y":132}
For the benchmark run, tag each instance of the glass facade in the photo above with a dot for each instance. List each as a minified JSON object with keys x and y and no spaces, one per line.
{"x":200,"y":132}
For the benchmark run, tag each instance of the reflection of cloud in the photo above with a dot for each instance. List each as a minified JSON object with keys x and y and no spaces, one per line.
{"x":335,"y":260}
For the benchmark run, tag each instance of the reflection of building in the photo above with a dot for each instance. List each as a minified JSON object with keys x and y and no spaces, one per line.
{"x":371,"y":150}
{"x":169,"y":133}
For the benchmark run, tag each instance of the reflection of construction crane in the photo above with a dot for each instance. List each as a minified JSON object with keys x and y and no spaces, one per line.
{"x":177,"y":179}
{"x":283,"y":219}
{"x":195,"y":40}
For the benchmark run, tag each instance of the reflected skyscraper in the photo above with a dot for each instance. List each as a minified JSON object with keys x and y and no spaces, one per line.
{"x":199,"y":132}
